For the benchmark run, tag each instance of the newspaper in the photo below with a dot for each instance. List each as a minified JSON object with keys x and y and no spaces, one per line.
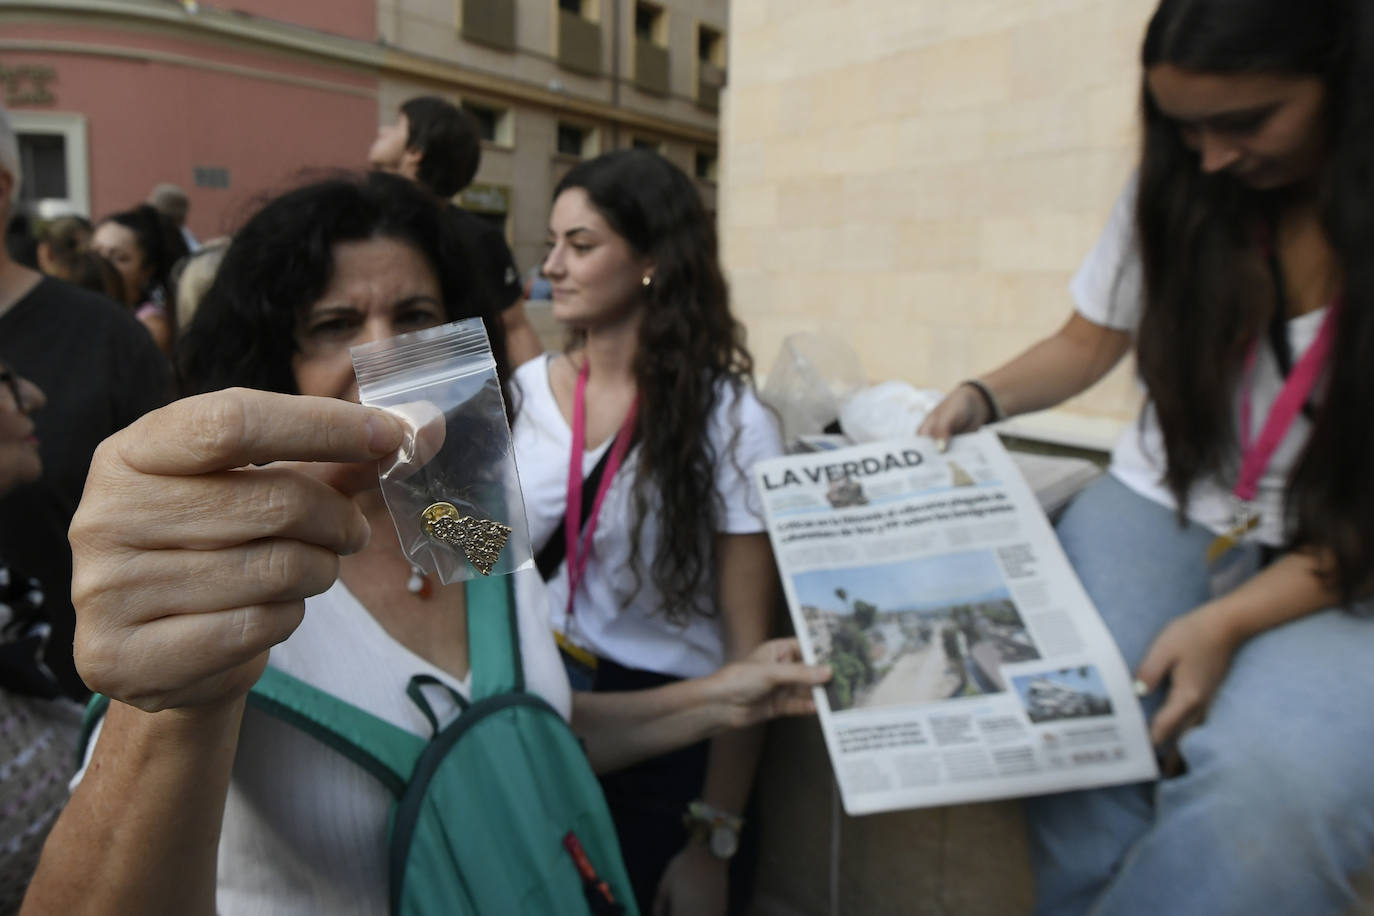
{"x":968,"y":662}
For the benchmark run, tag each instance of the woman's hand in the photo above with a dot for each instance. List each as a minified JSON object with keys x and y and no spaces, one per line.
{"x":189,"y":564}
{"x":769,"y":682}
{"x":695,"y":883}
{"x":962,"y":411}
{"x":1194,"y":651}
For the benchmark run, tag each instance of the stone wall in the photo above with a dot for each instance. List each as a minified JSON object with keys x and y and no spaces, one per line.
{"x":920,"y":178}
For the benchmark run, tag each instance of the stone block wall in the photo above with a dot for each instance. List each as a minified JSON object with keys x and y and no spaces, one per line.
{"x":920,"y":178}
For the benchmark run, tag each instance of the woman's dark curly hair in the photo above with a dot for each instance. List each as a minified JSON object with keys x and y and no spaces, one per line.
{"x":690,"y":348}
{"x":281,"y":261}
{"x":1207,"y":291}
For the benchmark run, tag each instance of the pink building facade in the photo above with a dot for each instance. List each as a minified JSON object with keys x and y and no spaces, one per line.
{"x":228,"y":106}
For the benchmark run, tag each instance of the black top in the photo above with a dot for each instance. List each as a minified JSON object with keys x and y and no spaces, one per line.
{"x":497,"y":279}
{"x":100,"y":371}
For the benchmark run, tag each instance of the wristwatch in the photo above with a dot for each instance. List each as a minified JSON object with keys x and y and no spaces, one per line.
{"x":718,"y":829}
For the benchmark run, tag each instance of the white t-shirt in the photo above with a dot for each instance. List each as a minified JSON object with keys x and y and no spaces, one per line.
{"x":635,"y":634}
{"x":1109,"y":290}
{"x":305,"y":828}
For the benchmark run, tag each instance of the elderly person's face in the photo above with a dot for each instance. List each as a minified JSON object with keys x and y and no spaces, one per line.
{"x":379,"y":288}
{"x":19,"y":459}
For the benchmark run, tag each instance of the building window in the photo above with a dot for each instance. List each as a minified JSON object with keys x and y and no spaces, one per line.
{"x":704,"y":165}
{"x":576,"y":140}
{"x":710,"y":66}
{"x":710,"y":46}
{"x":645,"y":143}
{"x":52,"y":154}
{"x":493,"y":124}
{"x":651,"y":23}
{"x":584,"y":8}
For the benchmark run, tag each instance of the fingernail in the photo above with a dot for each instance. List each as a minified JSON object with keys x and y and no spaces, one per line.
{"x":383,"y":434}
{"x":1141,"y":688}
{"x":942,"y":445}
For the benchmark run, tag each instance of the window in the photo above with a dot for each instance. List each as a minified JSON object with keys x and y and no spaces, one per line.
{"x":52,"y":154}
{"x":704,"y":165}
{"x":493,"y":124}
{"x":710,"y":46}
{"x":651,"y":24}
{"x":576,"y":140}
{"x":43,"y":161}
{"x":587,"y":9}
{"x":645,"y":143}
{"x":710,"y":66}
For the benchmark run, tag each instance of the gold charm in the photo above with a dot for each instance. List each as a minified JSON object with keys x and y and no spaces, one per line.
{"x":481,"y":540}
{"x":1246,"y":520}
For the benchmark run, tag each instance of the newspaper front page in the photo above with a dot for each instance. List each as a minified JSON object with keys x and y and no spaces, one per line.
{"x":968,"y":662}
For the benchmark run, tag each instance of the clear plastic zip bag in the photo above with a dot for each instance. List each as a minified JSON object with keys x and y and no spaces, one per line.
{"x":452,"y":488}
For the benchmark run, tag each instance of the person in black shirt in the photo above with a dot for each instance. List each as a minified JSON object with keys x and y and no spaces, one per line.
{"x":100,"y":371}
{"x":434,"y":144}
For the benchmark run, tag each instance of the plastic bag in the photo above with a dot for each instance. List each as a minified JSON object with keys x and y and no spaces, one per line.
{"x":888,"y":410}
{"x":452,"y":488}
{"x":809,"y":380}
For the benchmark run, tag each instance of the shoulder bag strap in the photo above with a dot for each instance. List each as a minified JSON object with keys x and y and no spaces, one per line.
{"x":493,"y":639}
{"x":555,"y":550}
{"x":387,"y":752}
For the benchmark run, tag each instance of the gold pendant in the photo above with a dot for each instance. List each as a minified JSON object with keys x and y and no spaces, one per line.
{"x":481,"y":540}
{"x":1246,"y":521}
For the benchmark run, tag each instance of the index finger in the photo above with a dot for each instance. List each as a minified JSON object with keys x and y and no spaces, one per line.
{"x":240,"y":426}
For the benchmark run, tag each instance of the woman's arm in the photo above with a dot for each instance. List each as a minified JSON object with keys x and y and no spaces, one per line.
{"x":141,"y":832}
{"x":1195,"y":650}
{"x":188,"y":566}
{"x":621,"y":729}
{"x":696,"y":882}
{"x":1066,"y":363}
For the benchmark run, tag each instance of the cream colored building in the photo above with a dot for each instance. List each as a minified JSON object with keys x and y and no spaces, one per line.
{"x":555,"y":81}
{"x":920,"y":178}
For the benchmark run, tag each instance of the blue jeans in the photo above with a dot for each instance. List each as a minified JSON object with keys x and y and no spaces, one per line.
{"x":1275,"y":811}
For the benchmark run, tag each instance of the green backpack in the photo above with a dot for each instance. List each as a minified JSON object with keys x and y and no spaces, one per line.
{"x":499,"y":812}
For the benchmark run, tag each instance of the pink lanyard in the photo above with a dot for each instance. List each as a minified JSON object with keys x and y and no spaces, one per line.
{"x":1256,"y":454}
{"x":578,"y":548}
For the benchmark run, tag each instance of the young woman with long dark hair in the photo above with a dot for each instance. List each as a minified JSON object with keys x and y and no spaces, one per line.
{"x":143,"y":245}
{"x":671,"y":574}
{"x":1231,"y":547}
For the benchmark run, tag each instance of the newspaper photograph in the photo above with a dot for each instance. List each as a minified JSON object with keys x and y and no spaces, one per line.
{"x":969,"y":664}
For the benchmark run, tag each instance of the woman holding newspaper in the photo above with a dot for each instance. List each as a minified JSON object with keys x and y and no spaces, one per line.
{"x":1231,"y":545}
{"x":634,"y":447}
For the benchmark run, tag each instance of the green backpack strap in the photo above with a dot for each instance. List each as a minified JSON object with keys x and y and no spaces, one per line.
{"x":95,"y":711}
{"x":387,"y":752}
{"x":493,"y":639}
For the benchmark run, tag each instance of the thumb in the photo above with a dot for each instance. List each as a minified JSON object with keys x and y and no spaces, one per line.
{"x":1153,"y":668}
{"x":796,"y":674}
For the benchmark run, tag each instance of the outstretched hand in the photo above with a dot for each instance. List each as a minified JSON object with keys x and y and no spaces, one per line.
{"x":770,"y":682}
{"x":191,"y":559}
{"x":963,"y":410}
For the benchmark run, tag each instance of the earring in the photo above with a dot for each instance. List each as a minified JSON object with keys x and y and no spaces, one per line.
{"x":647,"y":281}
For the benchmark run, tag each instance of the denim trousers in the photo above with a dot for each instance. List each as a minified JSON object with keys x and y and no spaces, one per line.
{"x":1274,"y":812}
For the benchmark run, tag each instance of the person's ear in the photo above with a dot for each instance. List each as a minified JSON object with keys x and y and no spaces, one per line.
{"x":409,"y":166}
